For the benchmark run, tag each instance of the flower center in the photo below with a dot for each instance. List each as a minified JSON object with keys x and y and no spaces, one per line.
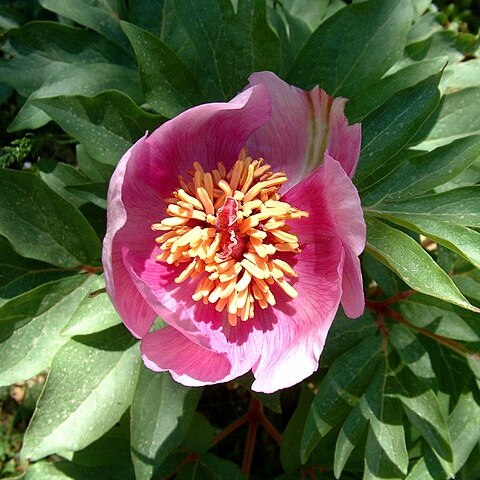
{"x":229,"y":228}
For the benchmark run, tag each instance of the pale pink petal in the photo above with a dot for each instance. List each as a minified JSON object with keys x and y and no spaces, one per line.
{"x":131,"y":306}
{"x":353,"y":298}
{"x":303,"y":126}
{"x":344,"y":140}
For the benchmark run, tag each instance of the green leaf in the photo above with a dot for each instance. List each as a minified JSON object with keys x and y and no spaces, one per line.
{"x":90,"y":385}
{"x":344,"y":334}
{"x":58,"y":176}
{"x":464,"y":424}
{"x":375,"y":95}
{"x":432,"y":169}
{"x":95,"y":193}
{"x":229,"y":45}
{"x":389,"y":283}
{"x":19,"y":275}
{"x":162,"y":411}
{"x":66,"y":61}
{"x":200,"y":435}
{"x":31,"y":323}
{"x":412,"y":354}
{"x":456,"y":117}
{"x":210,"y":467}
{"x":63,"y":470}
{"x":412,"y":263}
{"x":353,"y":48}
{"x":386,"y":453}
{"x":106,"y":124}
{"x":424,"y":412}
{"x":460,"y":239}
{"x":441,"y":318}
{"x":167,"y":83}
{"x":388,"y":129}
{"x":46,"y":227}
{"x":111,"y":449}
{"x":97,"y":15}
{"x":93,"y":314}
{"x":462,"y":75}
{"x":292,"y":436}
{"x":349,"y":436}
{"x":460,"y":206}
{"x":340,"y":390}
{"x":95,"y":171}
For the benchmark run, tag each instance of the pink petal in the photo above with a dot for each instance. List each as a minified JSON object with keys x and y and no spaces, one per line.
{"x":148,"y":173}
{"x":189,"y":363}
{"x":303,"y":126}
{"x":344,"y":206}
{"x":344,"y":141}
{"x":122,"y":291}
{"x":353,"y":298}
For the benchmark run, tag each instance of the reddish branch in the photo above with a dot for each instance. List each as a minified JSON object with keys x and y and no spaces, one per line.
{"x":382,"y":309}
{"x":254,"y":417}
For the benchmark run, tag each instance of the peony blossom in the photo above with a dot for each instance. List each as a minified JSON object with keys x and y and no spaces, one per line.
{"x":238,"y":224}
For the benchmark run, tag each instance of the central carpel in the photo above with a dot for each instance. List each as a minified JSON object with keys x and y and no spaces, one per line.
{"x":228,"y":229}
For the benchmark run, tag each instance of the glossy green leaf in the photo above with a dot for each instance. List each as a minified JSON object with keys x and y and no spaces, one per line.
{"x":388,"y":129}
{"x":66,"y":61}
{"x":90,"y":385}
{"x":200,"y":435}
{"x":106,"y":124}
{"x":30,"y":326}
{"x":462,"y":240}
{"x":375,"y":95}
{"x":46,"y":227}
{"x":412,"y":263}
{"x":353,"y":48}
{"x":340,"y":390}
{"x":432,"y":169}
{"x":460,"y":206}
{"x":94,"y":313}
{"x":229,"y":45}
{"x":98,"y":15}
{"x":167,"y":83}
{"x":162,"y":410}
{"x":456,"y":117}
{"x":210,"y":467}
{"x":462,"y":75}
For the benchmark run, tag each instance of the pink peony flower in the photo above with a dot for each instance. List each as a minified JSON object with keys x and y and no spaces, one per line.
{"x":237,"y":223}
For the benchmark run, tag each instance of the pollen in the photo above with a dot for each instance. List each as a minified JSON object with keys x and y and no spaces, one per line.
{"x":229,"y":230}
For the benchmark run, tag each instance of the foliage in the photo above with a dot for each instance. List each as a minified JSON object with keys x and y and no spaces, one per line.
{"x":397,"y":393}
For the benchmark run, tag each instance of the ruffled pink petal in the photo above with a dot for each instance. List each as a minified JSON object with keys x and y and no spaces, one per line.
{"x":303,"y":126}
{"x":122,"y":291}
{"x":291,"y":349}
{"x":190,"y":364}
{"x":148,"y":174}
{"x":344,"y":206}
{"x":344,"y":140}
{"x":353,"y":298}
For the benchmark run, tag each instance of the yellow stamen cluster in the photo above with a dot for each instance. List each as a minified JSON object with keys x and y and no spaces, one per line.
{"x":194,"y":239}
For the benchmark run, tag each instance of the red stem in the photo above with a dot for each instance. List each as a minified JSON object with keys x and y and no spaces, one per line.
{"x":255,"y":414}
